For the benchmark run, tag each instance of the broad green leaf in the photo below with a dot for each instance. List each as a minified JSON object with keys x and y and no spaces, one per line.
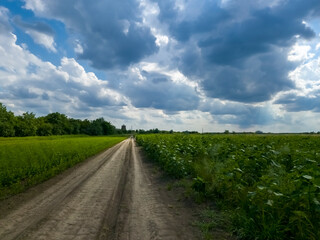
{"x":307,"y":177}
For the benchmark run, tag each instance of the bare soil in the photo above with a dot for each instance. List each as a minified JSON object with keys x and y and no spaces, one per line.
{"x":114,"y":195}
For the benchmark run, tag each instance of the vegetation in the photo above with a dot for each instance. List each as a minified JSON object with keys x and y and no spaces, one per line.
{"x":52,"y":124}
{"x":269,"y":183}
{"x":30,"y":160}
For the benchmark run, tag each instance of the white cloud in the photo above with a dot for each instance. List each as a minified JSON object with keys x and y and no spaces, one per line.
{"x":30,"y":84}
{"x":300,"y":53}
{"x":78,"y":47}
{"x":43,"y":39}
{"x":162,"y":40}
{"x":307,"y":76}
{"x":35,"y":5}
{"x":155,"y":90}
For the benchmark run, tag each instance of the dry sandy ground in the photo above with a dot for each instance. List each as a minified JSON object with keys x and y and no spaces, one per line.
{"x":114,"y":195}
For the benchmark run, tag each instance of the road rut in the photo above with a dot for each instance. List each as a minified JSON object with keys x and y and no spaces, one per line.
{"x":109,"y":197}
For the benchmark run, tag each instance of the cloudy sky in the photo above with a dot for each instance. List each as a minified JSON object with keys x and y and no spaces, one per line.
{"x":241,"y":65}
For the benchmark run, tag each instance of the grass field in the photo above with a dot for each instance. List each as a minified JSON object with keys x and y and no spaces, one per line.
{"x":30,"y":160}
{"x":268,"y":184}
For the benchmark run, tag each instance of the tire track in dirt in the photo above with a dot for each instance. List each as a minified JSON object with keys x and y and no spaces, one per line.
{"x":109,"y":197}
{"x":145,"y":213}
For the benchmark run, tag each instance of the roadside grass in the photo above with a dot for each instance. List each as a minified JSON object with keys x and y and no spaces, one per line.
{"x":214,"y":224}
{"x":27,"y":161}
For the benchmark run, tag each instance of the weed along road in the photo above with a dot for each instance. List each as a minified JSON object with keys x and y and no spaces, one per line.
{"x":109,"y":196}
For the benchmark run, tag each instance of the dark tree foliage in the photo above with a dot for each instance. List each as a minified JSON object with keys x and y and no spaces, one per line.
{"x":7,"y":122}
{"x":52,"y":124}
{"x":26,"y":125}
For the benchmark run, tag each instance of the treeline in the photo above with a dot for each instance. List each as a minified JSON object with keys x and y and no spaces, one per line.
{"x":52,"y":124}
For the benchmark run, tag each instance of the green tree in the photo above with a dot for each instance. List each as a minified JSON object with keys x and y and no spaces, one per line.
{"x":7,"y":122}
{"x":43,"y":128}
{"x":96,"y":127}
{"x":108,"y":128}
{"x":85,"y":127}
{"x":60,"y":123}
{"x":26,"y":125}
{"x":75,"y":126}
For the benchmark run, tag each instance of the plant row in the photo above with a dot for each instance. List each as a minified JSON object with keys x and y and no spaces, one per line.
{"x":270,"y":183}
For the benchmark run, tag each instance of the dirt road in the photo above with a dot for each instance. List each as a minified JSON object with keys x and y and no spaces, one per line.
{"x":110,"y":196}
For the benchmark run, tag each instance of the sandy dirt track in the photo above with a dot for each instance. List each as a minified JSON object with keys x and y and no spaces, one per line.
{"x":110,"y":196}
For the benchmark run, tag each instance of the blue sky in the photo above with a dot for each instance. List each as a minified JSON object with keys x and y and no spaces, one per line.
{"x":241,"y":65}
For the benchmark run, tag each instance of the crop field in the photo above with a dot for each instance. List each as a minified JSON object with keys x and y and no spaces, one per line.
{"x":30,"y":160}
{"x":270,"y":184}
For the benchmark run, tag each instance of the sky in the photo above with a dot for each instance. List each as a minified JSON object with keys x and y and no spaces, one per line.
{"x":210,"y":65}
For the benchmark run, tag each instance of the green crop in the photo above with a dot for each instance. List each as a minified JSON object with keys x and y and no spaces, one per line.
{"x":271,"y":182}
{"x":27,"y":161}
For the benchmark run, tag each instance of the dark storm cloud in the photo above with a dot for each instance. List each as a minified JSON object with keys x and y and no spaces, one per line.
{"x":258,"y":79}
{"x":160,"y":92}
{"x":36,"y":26}
{"x":243,"y":115}
{"x":264,"y":29}
{"x":240,"y":55}
{"x":293,"y":103}
{"x":111,"y":32}
{"x":210,"y":18}
{"x":169,"y":97}
{"x":167,"y":10}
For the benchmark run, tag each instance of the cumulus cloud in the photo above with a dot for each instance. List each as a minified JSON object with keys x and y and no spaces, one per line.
{"x":40,"y":32}
{"x":238,"y":50}
{"x":172,"y":64}
{"x":111,"y":33}
{"x":29,"y":83}
{"x":149,"y":88}
{"x":300,"y":53}
{"x":307,"y":96}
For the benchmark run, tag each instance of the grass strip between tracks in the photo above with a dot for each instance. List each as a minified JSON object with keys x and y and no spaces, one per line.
{"x":25,"y":162}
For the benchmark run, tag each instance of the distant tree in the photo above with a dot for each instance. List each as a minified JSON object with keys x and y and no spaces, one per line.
{"x":44,"y":128}
{"x":96,"y":127}
{"x":85,"y":126}
{"x":7,"y":122}
{"x":75,"y":126}
{"x":26,"y":125}
{"x":52,"y":124}
{"x":60,"y":123}
{"x":108,"y":128}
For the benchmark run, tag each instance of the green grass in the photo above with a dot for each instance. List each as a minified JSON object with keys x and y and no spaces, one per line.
{"x":27,"y":161}
{"x":210,"y":221}
{"x":268,"y":184}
